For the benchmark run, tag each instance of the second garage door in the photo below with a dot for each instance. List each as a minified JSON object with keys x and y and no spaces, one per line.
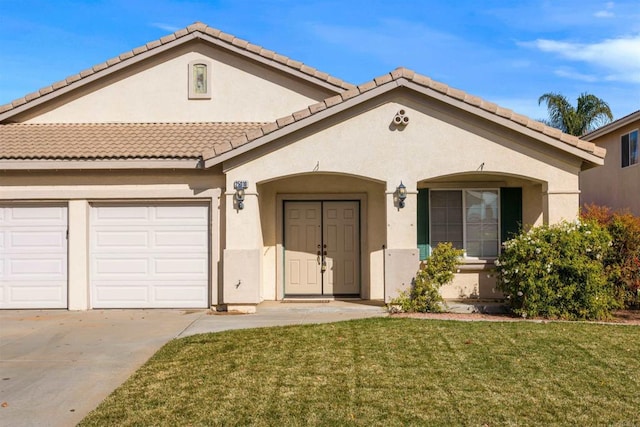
{"x":149,"y":256}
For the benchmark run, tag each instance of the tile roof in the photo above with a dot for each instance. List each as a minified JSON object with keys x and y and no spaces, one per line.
{"x":193,"y":29}
{"x":94,"y":141}
{"x":400,"y":77}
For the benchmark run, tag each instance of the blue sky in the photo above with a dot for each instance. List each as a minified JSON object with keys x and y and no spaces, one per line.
{"x":508,"y":52}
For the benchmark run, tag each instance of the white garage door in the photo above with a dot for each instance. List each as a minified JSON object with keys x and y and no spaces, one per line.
{"x":151,"y":256}
{"x":33,"y":257}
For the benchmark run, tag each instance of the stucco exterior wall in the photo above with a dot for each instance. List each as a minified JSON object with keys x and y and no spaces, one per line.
{"x":80,"y":188}
{"x":157,"y":90}
{"x":612,"y":185}
{"x":436,"y":146}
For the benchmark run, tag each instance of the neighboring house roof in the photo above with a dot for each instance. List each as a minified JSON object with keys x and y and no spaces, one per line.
{"x":613,"y":126}
{"x":197,"y":30}
{"x":402,"y":77}
{"x":102,"y":141}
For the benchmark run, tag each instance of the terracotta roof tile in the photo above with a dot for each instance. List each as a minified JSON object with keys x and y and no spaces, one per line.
{"x":269,"y":127}
{"x":119,"y":140}
{"x":195,"y":27}
{"x":367,"y":86}
{"x":349,"y":94}
{"x":299,"y":115}
{"x":317,"y":107}
{"x":455,"y":94}
{"x":284,"y":121}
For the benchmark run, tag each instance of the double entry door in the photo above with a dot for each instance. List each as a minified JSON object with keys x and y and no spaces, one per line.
{"x":322,"y":248}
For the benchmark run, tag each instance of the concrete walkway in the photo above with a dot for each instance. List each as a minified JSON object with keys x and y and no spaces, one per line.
{"x":57,"y":365}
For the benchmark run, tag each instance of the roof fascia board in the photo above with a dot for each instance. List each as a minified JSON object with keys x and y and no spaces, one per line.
{"x":612,"y":127}
{"x":314,"y":118}
{"x":502,"y":121}
{"x":98,"y":164}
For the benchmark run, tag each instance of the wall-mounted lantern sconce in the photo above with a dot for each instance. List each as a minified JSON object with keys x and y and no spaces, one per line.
{"x":240,"y":186}
{"x":402,"y":194}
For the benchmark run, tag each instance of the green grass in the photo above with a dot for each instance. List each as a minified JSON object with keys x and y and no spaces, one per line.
{"x":388,"y":371}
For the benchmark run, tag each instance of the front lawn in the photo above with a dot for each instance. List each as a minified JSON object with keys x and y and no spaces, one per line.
{"x":388,"y":371}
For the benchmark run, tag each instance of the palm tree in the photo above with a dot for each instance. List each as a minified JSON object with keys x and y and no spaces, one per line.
{"x":591,"y":113}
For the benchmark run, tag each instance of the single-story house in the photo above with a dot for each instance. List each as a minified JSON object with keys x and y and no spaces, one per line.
{"x":617,"y":183}
{"x":201,"y":170}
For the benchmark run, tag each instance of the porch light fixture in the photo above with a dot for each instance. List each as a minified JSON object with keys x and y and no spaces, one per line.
{"x":402,"y":194}
{"x":240,"y":186}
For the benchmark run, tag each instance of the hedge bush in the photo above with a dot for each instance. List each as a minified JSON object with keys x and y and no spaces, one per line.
{"x":424,"y":294}
{"x":557,"y":271}
{"x":623,"y":262}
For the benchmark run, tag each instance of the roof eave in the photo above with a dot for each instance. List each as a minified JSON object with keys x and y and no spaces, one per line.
{"x":612,"y":127}
{"x":94,"y":164}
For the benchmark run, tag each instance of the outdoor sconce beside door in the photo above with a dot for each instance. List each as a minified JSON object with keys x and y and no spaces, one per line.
{"x":240,"y":187}
{"x":402,"y":194}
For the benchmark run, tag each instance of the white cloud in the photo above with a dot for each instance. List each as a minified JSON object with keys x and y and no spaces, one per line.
{"x":165,"y":27}
{"x":575,"y":75}
{"x":607,"y":12}
{"x":619,"y":56}
{"x":604,"y":14}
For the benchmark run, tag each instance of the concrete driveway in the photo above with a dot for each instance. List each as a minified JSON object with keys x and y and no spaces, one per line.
{"x":56,"y":365}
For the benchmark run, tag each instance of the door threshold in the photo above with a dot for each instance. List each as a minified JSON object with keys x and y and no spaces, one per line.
{"x":319,"y":298}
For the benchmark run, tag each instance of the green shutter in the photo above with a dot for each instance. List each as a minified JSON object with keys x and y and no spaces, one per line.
{"x":510,"y":212}
{"x":423,"y":222}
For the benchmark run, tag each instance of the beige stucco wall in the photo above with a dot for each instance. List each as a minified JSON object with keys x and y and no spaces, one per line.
{"x":157,"y":91}
{"x":438,"y":143}
{"x":79,"y":188}
{"x":612,"y":185}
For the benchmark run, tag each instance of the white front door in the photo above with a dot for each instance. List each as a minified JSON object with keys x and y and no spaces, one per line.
{"x":322,"y":248}
{"x":149,"y":256}
{"x":33,"y":256}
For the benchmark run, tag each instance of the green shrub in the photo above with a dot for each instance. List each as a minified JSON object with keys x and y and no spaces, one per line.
{"x":623,"y":262}
{"x":437,"y":270}
{"x":557,"y":271}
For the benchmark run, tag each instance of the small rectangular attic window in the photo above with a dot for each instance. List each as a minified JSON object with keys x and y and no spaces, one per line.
{"x":199,"y":80}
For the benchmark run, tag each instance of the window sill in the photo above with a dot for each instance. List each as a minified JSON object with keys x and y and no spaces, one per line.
{"x":471,"y":264}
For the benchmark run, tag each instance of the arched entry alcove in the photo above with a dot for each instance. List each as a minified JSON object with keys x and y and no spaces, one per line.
{"x":323,"y":236}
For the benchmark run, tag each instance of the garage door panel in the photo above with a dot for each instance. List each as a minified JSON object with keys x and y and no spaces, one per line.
{"x":37,"y":239}
{"x":30,"y":215}
{"x":179,"y":293}
{"x":33,"y":257}
{"x":158,"y":258}
{"x":26,"y":269}
{"x":122,"y":293}
{"x":45,"y":294}
{"x":121,"y":214}
{"x":176,"y":267}
{"x":183,"y":239}
{"x":186,"y":214}
{"x":121,"y":239}
{"x":118,"y":267}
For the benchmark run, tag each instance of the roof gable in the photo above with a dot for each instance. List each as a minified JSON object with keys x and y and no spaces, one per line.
{"x":196,"y":31}
{"x":402,"y":77}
